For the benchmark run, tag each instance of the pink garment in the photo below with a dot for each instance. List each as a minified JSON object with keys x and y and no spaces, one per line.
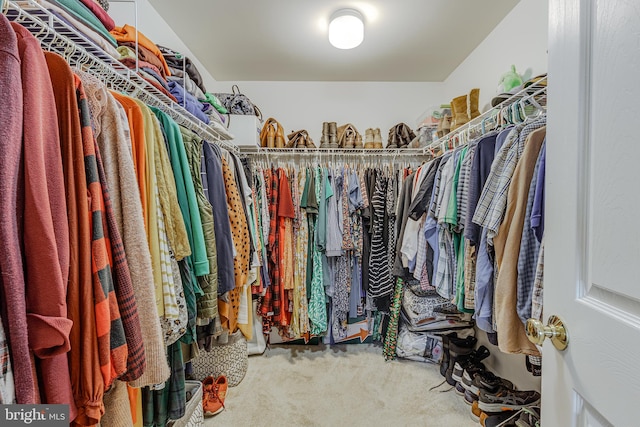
{"x":11,"y":208}
{"x":100,"y":13}
{"x":46,"y":228}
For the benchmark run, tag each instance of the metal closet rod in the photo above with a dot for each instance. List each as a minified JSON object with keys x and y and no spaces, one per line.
{"x":57,"y":36}
{"x":363,"y":152}
{"x":534,"y":92}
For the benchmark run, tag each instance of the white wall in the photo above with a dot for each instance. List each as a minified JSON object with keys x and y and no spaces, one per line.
{"x":520,"y":39}
{"x":152,"y":25}
{"x":305,"y":105}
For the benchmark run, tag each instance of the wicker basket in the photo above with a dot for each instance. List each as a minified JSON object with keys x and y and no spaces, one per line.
{"x":193,"y":415}
{"x":230,"y":360}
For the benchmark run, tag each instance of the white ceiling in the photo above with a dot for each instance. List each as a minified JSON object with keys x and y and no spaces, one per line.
{"x":286,"y":40}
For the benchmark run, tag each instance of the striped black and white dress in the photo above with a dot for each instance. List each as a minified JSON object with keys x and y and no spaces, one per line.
{"x":380,"y":283}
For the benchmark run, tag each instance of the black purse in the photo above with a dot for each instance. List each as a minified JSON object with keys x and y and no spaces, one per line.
{"x":237,"y":103}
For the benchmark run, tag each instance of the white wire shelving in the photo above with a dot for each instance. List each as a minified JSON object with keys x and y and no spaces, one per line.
{"x":56,"y":35}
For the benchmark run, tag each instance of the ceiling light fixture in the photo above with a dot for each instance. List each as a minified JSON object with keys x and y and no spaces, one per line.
{"x":346,"y":29}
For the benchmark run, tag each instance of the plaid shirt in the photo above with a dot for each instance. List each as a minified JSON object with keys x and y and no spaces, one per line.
{"x":493,"y":201}
{"x":271,"y":304}
{"x":112,"y":345}
{"x":433,"y":207}
{"x":170,"y":402}
{"x":462,"y":194}
{"x":136,"y":360}
{"x":7,"y":388}
{"x":538,"y":286}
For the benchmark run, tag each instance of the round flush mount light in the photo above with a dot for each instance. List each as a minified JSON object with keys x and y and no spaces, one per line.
{"x":346,"y":29}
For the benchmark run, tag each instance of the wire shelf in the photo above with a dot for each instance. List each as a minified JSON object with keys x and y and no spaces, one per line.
{"x":55,"y":35}
{"x":533,"y":97}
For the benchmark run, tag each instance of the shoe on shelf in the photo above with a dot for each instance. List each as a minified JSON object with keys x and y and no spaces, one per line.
{"x":459,"y":389}
{"x":368,"y":138}
{"x":214,"y":392}
{"x":377,"y":139}
{"x":333,"y":135}
{"x":471,"y":363}
{"x":507,"y":399}
{"x":324,"y":138}
{"x":474,"y":98}
{"x":359,"y":141}
{"x":459,"y":110}
{"x":446,"y":123}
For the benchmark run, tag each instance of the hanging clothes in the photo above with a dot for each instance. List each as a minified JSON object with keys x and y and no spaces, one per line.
{"x":45,"y":233}
{"x":13,"y":292}
{"x":84,"y":362}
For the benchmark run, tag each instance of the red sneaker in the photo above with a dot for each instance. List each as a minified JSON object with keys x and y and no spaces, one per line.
{"x":211,"y":403}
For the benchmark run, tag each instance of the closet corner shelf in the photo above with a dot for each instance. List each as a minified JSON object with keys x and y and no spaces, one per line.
{"x":55,"y":35}
{"x":363,"y":152}
{"x":535,"y":94}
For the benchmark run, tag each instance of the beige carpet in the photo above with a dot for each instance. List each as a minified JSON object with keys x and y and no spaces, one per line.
{"x":348,"y":385}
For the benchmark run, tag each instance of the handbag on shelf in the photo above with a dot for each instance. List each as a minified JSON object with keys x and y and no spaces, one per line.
{"x":237,"y":103}
{"x":272,"y":134}
{"x":400,"y":136}
{"x":300,"y":139}
{"x":349,"y":137}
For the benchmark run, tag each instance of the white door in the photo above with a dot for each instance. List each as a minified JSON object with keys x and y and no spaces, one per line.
{"x":592,"y":233}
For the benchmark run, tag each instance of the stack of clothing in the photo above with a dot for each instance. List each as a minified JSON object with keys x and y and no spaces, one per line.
{"x":186,"y":74}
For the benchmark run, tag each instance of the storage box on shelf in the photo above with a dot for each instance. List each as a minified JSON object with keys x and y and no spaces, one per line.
{"x":245,"y":130}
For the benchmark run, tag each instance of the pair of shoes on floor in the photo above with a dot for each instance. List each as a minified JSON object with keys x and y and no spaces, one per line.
{"x":527,"y":416}
{"x":214,"y":392}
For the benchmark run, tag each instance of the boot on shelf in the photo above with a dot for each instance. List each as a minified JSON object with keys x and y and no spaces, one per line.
{"x":358,"y":140}
{"x":324,"y":139}
{"x":459,"y":112}
{"x":350,"y":139}
{"x":333,"y":135}
{"x":474,"y":98}
{"x":444,"y":127}
{"x":368,"y":138}
{"x":377,"y":139}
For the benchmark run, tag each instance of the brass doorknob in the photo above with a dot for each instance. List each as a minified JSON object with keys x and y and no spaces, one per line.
{"x":537,"y":332}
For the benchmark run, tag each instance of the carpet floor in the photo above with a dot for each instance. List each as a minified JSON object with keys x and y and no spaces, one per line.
{"x":348,"y":385}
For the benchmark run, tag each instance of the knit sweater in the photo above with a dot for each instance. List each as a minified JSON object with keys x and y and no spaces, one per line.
{"x":115,"y":149}
{"x":11,"y":269}
{"x":138,"y":148}
{"x":46,"y":232}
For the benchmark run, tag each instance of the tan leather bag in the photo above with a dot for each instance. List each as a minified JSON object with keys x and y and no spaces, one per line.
{"x":300,"y":139}
{"x":272,"y":134}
